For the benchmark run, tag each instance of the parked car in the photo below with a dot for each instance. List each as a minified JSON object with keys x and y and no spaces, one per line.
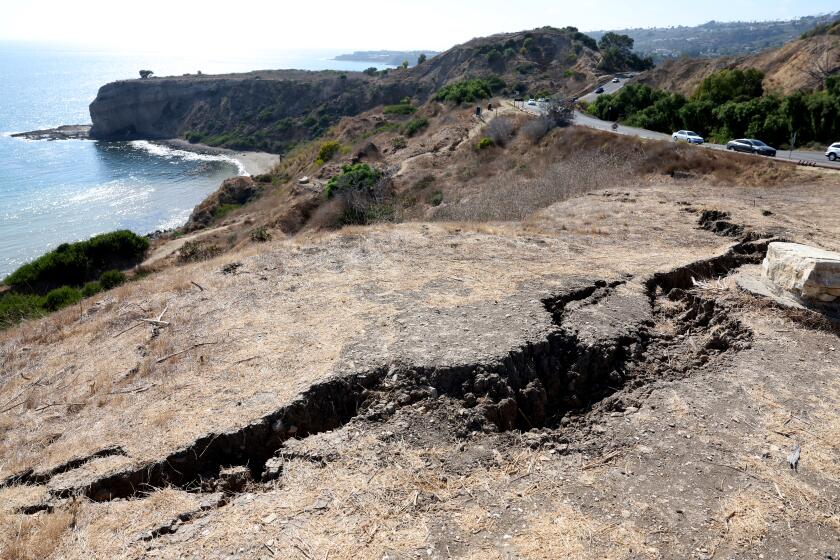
{"x":616,"y":80}
{"x":687,"y":136}
{"x":833,"y":152}
{"x":532,"y":102}
{"x":599,"y":91}
{"x":751,"y":146}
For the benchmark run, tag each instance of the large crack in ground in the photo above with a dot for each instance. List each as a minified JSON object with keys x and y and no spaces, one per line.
{"x":606,"y":338}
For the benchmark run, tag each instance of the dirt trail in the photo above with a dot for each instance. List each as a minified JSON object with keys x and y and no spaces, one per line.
{"x":170,"y":247}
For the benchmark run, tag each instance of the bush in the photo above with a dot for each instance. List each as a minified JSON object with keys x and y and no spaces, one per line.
{"x":436,"y":199}
{"x":468,"y":91}
{"x":73,"y":264}
{"x":355,"y":177}
{"x":193,"y":251}
{"x":260,"y":235}
{"x":535,"y":129}
{"x":14,"y":308}
{"x":61,"y":297}
{"x":327,"y":151}
{"x":223,"y":210}
{"x":91,"y":289}
{"x":484,"y":143}
{"x":372,"y":71}
{"x":500,"y":130}
{"x":399,"y":109}
{"x":111,"y":279}
{"x":414,"y":126}
{"x":399,"y":143}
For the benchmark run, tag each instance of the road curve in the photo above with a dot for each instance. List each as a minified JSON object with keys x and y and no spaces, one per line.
{"x":582,"y":119}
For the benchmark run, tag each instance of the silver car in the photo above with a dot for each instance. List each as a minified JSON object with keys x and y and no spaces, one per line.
{"x":687,"y":136}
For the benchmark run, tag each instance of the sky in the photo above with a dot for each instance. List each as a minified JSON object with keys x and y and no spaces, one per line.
{"x":360,"y":24}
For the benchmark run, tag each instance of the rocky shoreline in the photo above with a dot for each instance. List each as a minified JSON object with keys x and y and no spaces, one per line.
{"x":254,"y":163}
{"x":64,"y":132}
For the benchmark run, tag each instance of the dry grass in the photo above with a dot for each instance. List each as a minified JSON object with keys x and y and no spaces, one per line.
{"x":746,"y":517}
{"x":34,"y":537}
{"x":514,"y":196}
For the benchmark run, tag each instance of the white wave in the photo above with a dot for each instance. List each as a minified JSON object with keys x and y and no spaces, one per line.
{"x":166,"y":152}
{"x":112,"y":194}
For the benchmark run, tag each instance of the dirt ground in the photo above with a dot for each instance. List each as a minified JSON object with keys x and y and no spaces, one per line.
{"x":584,"y":384}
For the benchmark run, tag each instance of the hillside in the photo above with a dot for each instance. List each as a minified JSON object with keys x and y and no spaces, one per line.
{"x":801,"y":64}
{"x":715,"y":39}
{"x":549,"y":358}
{"x":431,"y":334}
{"x":275,"y":110}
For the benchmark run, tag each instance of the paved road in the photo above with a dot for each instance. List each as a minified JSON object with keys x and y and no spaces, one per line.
{"x":609,"y":87}
{"x":582,"y":119}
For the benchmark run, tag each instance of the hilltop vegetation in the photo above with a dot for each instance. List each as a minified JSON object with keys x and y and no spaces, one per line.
{"x":715,"y":39}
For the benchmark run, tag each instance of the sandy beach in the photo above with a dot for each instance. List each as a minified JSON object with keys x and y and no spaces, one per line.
{"x":255,"y":163}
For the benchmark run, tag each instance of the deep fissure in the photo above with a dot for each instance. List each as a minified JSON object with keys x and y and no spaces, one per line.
{"x":534,"y":386}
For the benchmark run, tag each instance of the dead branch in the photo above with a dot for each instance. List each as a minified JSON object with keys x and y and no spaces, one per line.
{"x":193,"y":347}
{"x":134,"y":326}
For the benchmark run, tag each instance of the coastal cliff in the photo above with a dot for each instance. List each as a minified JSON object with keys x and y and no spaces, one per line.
{"x":268,"y":111}
{"x":273,"y":110}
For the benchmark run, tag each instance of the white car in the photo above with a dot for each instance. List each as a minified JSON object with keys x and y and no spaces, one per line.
{"x":833,"y":152}
{"x":616,"y":80}
{"x":532,"y":102}
{"x":687,"y":136}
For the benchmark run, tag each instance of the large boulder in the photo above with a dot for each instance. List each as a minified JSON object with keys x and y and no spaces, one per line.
{"x":808,"y":273}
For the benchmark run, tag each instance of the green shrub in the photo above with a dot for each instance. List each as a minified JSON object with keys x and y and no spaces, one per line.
{"x":194,"y":137}
{"x":399,"y":143}
{"x":91,"y":289}
{"x":260,"y":235}
{"x":327,"y":151}
{"x":414,"y":126}
{"x":484,"y":143}
{"x":399,"y":109}
{"x":436,"y":199}
{"x":61,"y":297}
{"x":223,"y":210}
{"x":111,"y":279}
{"x":73,"y":264}
{"x":372,"y":71}
{"x":470,"y":91}
{"x":358,"y":176}
{"x":14,"y":308}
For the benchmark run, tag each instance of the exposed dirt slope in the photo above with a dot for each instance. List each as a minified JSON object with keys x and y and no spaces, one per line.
{"x":787,"y":69}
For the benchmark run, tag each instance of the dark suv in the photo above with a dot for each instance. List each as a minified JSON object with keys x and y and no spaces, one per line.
{"x":751,"y":146}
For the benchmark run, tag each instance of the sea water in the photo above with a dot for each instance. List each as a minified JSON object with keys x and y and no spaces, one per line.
{"x":53,"y":192}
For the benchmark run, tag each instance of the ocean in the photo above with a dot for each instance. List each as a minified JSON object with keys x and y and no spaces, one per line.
{"x":53,"y":192}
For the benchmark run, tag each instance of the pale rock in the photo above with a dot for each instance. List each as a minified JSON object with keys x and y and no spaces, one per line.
{"x":806,"y":272}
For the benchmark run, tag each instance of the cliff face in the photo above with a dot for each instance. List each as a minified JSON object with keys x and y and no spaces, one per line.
{"x":273,"y":110}
{"x":261,"y":110}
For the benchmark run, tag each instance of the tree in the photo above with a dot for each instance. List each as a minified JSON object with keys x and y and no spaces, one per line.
{"x":623,"y":43}
{"x":422,"y":58}
{"x":617,"y":54}
{"x":144,"y":74}
{"x":404,"y":65}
